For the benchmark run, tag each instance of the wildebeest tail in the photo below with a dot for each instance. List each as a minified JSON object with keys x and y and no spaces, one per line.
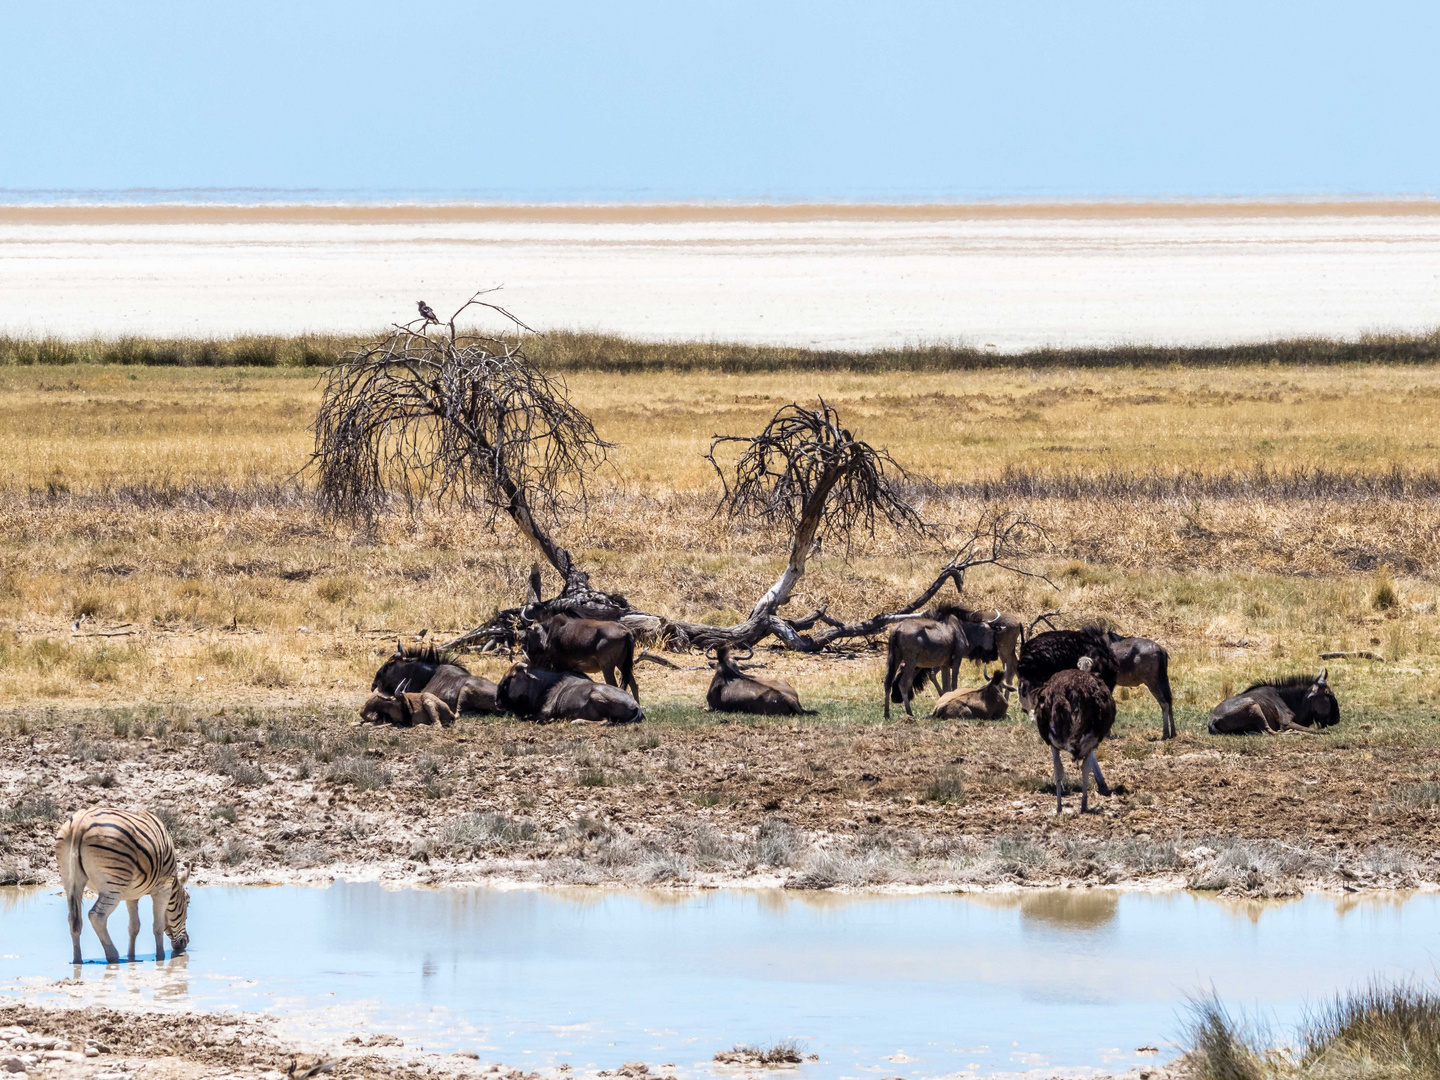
{"x":1164,"y":673}
{"x":627,"y":668}
{"x":892,"y":665}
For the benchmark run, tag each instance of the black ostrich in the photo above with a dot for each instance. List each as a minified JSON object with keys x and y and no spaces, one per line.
{"x":1074,"y":711}
{"x":426,"y":312}
{"x":1054,"y":651}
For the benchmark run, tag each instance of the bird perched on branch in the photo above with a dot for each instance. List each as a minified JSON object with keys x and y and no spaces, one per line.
{"x":426,"y":312}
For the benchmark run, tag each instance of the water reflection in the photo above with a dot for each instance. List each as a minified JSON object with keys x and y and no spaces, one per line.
{"x":1064,"y":977}
{"x":1071,"y":908}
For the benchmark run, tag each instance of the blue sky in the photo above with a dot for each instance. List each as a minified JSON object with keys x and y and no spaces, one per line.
{"x":561,"y":101}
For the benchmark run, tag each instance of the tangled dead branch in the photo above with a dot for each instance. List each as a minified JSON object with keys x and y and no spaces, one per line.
{"x":460,"y":418}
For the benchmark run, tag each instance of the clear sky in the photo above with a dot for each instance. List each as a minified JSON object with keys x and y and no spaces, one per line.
{"x":735,"y":100}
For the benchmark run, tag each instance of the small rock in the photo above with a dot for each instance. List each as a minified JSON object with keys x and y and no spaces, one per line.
{"x":63,"y":1055}
{"x":12,"y":1065}
{"x":471,"y":1054}
{"x":92,"y":1051}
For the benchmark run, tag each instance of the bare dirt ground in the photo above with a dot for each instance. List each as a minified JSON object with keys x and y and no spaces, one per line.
{"x":691,"y":798}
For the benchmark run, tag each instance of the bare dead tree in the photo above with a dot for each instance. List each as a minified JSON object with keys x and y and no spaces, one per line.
{"x":807,"y":473}
{"x":462,"y":419}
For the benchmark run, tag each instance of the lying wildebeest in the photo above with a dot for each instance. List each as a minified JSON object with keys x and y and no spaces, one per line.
{"x":733,"y":690}
{"x":563,"y":695}
{"x":429,"y":670}
{"x":407,"y":709}
{"x":565,"y":642}
{"x":1293,"y":704}
{"x":941,"y":642}
{"x":1074,"y":711}
{"x":1044,"y":655}
{"x":1142,"y":662}
{"x":986,"y":703}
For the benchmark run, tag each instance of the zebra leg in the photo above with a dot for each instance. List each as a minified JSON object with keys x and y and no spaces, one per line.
{"x":104,"y":905}
{"x":1100,"y":785}
{"x":75,"y":900}
{"x":159,"y":901}
{"x":1059,"y":781}
{"x":133,"y":906}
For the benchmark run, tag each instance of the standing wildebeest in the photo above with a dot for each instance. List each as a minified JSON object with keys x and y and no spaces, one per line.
{"x":1142,"y":662}
{"x":1044,"y":655}
{"x":565,"y":642}
{"x":942,"y":642}
{"x":986,"y":703}
{"x":407,"y":709}
{"x":733,"y":690}
{"x":1074,"y":711}
{"x":563,"y":695}
{"x":426,"y":669}
{"x":1292,"y":704}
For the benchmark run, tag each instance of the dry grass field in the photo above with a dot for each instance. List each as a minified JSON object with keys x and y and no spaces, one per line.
{"x":1248,"y":517}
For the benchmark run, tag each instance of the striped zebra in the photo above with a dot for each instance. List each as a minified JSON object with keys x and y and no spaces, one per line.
{"x":122,"y":855}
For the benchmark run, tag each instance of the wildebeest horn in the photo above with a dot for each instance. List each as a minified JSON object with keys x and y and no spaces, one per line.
{"x":1324,"y":675}
{"x":401,"y":688}
{"x":749,"y":652}
{"x":710,"y":653}
{"x":399,"y":647}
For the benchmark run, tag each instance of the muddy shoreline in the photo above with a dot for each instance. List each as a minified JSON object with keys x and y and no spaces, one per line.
{"x":686,"y":800}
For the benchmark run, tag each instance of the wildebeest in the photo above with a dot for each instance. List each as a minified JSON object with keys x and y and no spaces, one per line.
{"x":941,"y":642}
{"x":1074,"y":711}
{"x":1044,"y":655}
{"x":565,"y":642}
{"x":429,"y":670}
{"x":1142,"y":662}
{"x":733,"y":690}
{"x":1293,"y":704}
{"x":407,"y":709}
{"x":563,"y":695}
{"x":985,"y":703}
{"x":1007,"y":629}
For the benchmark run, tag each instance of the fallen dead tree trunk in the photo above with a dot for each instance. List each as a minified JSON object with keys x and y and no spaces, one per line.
{"x":1001,"y":541}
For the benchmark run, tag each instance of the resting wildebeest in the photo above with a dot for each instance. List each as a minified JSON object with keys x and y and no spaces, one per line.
{"x":733,"y":690}
{"x":563,"y":695}
{"x":942,"y":642}
{"x":1074,"y":711}
{"x":1292,"y":704}
{"x":426,"y":669}
{"x":407,"y":709}
{"x":1044,"y":655}
{"x":565,"y":642}
{"x":985,"y":703}
{"x":1142,"y":662}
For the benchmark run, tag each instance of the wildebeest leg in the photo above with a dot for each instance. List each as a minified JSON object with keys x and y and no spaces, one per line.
{"x":74,"y":900}
{"x":1100,"y":785}
{"x":1160,"y":687}
{"x":1059,"y":781}
{"x":610,"y":676}
{"x":133,"y":907}
{"x":907,"y":686}
{"x":104,"y":905}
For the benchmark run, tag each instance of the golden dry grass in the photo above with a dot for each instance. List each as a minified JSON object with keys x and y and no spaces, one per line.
{"x":158,"y":498}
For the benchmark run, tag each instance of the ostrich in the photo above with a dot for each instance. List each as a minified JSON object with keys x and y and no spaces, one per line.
{"x":1074,"y":711}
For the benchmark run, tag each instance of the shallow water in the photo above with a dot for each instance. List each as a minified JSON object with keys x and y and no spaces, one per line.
{"x":882,"y":985}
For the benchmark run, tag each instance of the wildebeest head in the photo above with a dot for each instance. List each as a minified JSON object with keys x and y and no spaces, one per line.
{"x":1319,"y":706}
{"x":520,"y":692}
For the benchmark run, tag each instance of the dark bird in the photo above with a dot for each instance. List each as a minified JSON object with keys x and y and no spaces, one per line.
{"x":426,"y":312}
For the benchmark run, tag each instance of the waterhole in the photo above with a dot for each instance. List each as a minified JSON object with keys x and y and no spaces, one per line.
{"x":913,"y":986}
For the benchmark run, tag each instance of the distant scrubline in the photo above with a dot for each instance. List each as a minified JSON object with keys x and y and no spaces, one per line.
{"x":122,"y":855}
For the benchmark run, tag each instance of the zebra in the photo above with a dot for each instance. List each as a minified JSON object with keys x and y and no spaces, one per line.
{"x":122,"y":855}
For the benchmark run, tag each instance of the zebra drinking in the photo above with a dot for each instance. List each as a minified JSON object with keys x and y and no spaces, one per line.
{"x":122,"y":855}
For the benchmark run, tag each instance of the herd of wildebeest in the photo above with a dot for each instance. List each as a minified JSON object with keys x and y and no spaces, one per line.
{"x":1065,"y":679}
